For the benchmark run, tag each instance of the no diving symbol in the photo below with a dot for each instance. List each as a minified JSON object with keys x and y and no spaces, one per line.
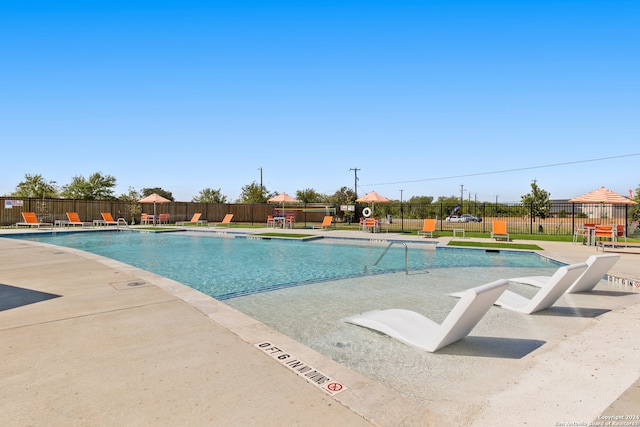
{"x":334,"y":387}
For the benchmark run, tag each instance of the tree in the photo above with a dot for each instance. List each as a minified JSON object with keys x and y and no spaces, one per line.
{"x":634,"y":210}
{"x":344,"y":196}
{"x":35,"y":186}
{"x":209,"y":195}
{"x":538,"y":201}
{"x":133,"y":207}
{"x":97,"y":187}
{"x":254,"y":193}
{"x":159,"y":191}
{"x":421,"y":200}
{"x":309,"y":195}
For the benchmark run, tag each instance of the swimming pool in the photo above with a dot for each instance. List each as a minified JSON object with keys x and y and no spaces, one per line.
{"x":261,"y":279}
{"x":229,"y":267}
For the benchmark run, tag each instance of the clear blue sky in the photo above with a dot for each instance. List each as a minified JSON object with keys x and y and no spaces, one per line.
{"x":420,"y":96}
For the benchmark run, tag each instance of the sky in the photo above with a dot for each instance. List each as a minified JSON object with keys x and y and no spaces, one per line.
{"x":405,"y":97}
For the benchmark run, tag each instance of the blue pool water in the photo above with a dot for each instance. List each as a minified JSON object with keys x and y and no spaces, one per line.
{"x":225,"y":268}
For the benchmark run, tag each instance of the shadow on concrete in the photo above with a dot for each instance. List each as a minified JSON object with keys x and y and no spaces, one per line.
{"x":14,"y":297}
{"x":506,"y":348}
{"x":571,"y":312}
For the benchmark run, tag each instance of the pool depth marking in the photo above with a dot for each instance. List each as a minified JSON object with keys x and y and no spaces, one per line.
{"x":309,"y":373}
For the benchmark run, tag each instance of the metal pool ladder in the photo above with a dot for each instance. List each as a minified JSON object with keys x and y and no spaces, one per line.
{"x":126,"y":225}
{"x":406,"y":255}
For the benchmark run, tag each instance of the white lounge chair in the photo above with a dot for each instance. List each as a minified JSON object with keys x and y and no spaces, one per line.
{"x":414,"y":329}
{"x":597,"y":267}
{"x":561,"y":280}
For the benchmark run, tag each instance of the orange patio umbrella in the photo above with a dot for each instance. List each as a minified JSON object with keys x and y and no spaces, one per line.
{"x":154,"y":198}
{"x":282,"y":198}
{"x":605,"y":196}
{"x":372,"y":198}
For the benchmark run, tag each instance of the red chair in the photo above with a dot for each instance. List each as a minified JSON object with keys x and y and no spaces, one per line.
{"x":290,"y":221}
{"x":603,"y":232}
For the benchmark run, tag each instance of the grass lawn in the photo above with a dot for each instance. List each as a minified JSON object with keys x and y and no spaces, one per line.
{"x":503,"y":245}
{"x":290,"y":235}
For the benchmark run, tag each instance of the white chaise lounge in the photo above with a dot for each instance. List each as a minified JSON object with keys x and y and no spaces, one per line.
{"x":561,"y":280}
{"x":415,"y":329}
{"x":597,"y":268}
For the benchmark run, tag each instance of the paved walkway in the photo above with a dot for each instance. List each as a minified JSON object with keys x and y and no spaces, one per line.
{"x":91,"y":341}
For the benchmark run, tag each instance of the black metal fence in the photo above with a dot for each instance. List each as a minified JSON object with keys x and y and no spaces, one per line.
{"x":562,"y":219}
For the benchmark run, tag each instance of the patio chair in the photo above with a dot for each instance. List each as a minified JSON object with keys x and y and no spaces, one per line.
{"x":557,"y":285}
{"x":163,"y":218}
{"x":146,"y":219}
{"x":582,"y":232}
{"x":603,"y":232}
{"x":270,"y":221}
{"x":74,"y":219}
{"x":327,"y":222}
{"x":108,"y":219}
{"x":195,"y":219}
{"x":417,"y":330}
{"x":621,"y":232}
{"x":428,"y":227}
{"x":499,"y":229}
{"x":597,"y":268}
{"x":30,"y":219}
{"x":289,"y":221}
{"x":371,"y":225}
{"x":225,"y":221}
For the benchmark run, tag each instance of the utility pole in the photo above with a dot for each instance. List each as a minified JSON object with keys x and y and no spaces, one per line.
{"x":401,"y":211}
{"x":461,"y":198}
{"x":355,"y":186}
{"x":261,"y":187}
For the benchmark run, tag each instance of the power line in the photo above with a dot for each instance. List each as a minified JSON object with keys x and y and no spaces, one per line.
{"x":504,"y":171}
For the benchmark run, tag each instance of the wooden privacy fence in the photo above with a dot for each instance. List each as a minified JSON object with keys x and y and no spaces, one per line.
{"x":50,"y":210}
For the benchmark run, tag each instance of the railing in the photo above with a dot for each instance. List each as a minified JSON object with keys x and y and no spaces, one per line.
{"x":562,"y":217}
{"x":406,"y":255}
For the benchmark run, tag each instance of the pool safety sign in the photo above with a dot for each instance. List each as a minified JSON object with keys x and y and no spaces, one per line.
{"x":309,"y":373}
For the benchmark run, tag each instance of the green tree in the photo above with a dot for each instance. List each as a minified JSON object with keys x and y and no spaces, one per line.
{"x":35,"y":186}
{"x":133,"y":208}
{"x":254,"y":193}
{"x":97,"y":187}
{"x":421,"y":200}
{"x":209,"y":195}
{"x":309,"y":195}
{"x":538,"y":201}
{"x":344,"y":196}
{"x":634,"y":210}
{"x":159,"y":191}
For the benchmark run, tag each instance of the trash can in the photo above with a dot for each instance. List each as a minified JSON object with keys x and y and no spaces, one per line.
{"x":389,"y":219}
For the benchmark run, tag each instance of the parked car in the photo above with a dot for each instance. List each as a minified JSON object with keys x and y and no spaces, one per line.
{"x":456,"y":218}
{"x":471,"y":218}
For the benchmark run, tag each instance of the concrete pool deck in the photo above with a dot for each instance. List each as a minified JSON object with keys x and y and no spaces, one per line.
{"x":91,"y":341}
